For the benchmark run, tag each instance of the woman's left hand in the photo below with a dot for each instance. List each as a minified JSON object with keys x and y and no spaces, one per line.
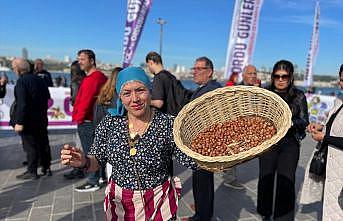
{"x":317,"y":135}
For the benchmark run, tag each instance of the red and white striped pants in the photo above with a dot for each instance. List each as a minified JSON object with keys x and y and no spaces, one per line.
{"x":126,"y":205}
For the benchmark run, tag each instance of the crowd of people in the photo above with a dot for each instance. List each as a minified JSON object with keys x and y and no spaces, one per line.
{"x":125,"y":122}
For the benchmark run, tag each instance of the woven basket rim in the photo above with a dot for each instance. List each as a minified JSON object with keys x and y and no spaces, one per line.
{"x":242,"y":155}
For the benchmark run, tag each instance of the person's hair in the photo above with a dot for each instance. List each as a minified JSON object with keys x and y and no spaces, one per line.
{"x":207,"y":61}
{"x":76,"y":73}
{"x":109,"y":89}
{"x":232,"y":77}
{"x":248,"y":66}
{"x":154,"y":56}
{"x":22,"y":65}
{"x":340,"y":71}
{"x":58,"y":81}
{"x":32,"y":66}
{"x":89,"y":53}
{"x":286,"y":66}
{"x":40,"y":60}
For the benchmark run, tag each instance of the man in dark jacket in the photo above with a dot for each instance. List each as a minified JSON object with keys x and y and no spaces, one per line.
{"x":168,"y":94}
{"x":41,"y":72}
{"x":203,"y":186}
{"x":30,"y":118}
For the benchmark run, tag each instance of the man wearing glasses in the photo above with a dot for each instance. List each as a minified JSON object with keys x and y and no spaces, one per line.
{"x":202,"y":180}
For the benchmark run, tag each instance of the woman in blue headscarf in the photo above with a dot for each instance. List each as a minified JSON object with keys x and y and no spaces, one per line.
{"x":137,"y":141}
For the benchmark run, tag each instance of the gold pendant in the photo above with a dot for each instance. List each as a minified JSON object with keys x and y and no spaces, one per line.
{"x":133,"y":151}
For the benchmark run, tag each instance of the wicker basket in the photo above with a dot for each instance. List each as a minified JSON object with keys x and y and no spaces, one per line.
{"x":225,"y":104}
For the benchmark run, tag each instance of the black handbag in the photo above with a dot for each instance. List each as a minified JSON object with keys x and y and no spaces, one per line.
{"x":318,"y":162}
{"x":340,"y":199}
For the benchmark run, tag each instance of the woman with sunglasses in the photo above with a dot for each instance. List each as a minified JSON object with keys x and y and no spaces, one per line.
{"x":331,"y":135}
{"x":282,"y":159}
{"x":137,"y":140}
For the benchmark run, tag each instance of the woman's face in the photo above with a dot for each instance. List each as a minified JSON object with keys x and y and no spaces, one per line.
{"x":136,"y":98}
{"x":341,"y":80}
{"x":281,"y":80}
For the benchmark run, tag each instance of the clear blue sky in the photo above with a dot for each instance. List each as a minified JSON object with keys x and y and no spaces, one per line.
{"x":194,"y":28}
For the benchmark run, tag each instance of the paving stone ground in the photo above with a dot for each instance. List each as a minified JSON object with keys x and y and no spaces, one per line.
{"x":53,"y":198}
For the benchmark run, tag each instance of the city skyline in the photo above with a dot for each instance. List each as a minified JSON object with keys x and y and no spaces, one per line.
{"x":193,"y":29}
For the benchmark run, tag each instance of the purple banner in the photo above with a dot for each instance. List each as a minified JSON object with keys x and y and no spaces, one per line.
{"x":137,"y":11}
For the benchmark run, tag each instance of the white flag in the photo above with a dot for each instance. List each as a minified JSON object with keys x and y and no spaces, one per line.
{"x":312,"y":54}
{"x":242,"y":36}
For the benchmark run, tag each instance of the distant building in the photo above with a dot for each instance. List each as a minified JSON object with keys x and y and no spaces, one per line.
{"x":67,"y":59}
{"x":177,"y":69}
{"x":25,"y":53}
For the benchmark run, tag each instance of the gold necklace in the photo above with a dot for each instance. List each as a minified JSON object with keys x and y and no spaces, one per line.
{"x":133,"y":133}
{"x":134,"y":136}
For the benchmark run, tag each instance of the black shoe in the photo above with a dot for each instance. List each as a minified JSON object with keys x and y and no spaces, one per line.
{"x":27,"y":176}
{"x":266,"y":218}
{"x":191,"y":218}
{"x":87,"y":187}
{"x":24,"y":163}
{"x":75,"y":173}
{"x":46,"y":172}
{"x":102,"y":182}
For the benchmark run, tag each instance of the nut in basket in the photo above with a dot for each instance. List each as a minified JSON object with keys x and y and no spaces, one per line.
{"x":227,"y":104}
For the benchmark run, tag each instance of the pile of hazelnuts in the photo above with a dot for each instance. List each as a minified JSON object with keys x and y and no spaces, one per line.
{"x":232,"y":137}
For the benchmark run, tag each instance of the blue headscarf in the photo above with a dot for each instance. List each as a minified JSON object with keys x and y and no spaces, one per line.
{"x":124,"y":76}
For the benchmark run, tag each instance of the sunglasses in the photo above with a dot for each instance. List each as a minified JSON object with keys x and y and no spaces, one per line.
{"x":280,"y":77}
{"x":198,"y":68}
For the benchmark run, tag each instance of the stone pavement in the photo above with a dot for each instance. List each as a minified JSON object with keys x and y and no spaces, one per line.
{"x":53,"y":198}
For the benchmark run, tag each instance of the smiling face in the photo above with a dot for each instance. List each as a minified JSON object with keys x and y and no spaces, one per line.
{"x":281,"y":80}
{"x":341,"y":80}
{"x":250,"y":75}
{"x":136,"y":98}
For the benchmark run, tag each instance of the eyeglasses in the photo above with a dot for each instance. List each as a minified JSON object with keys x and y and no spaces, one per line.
{"x":280,"y":77}
{"x":198,"y":68}
{"x":341,"y":79}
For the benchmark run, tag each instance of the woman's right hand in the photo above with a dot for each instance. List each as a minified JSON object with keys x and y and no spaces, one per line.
{"x":72,"y":156}
{"x":314,"y":127}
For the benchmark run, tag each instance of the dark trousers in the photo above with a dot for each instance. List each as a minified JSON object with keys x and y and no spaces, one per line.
{"x":203,"y":193}
{"x":86,"y":134}
{"x":36,"y":146}
{"x":282,"y":161}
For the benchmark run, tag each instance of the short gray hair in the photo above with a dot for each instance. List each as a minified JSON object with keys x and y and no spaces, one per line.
{"x":22,"y":65}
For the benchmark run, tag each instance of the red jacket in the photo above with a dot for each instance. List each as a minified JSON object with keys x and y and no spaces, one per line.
{"x":87,"y":95}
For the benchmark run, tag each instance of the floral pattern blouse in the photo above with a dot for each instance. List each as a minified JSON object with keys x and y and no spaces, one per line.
{"x":155,"y":149}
